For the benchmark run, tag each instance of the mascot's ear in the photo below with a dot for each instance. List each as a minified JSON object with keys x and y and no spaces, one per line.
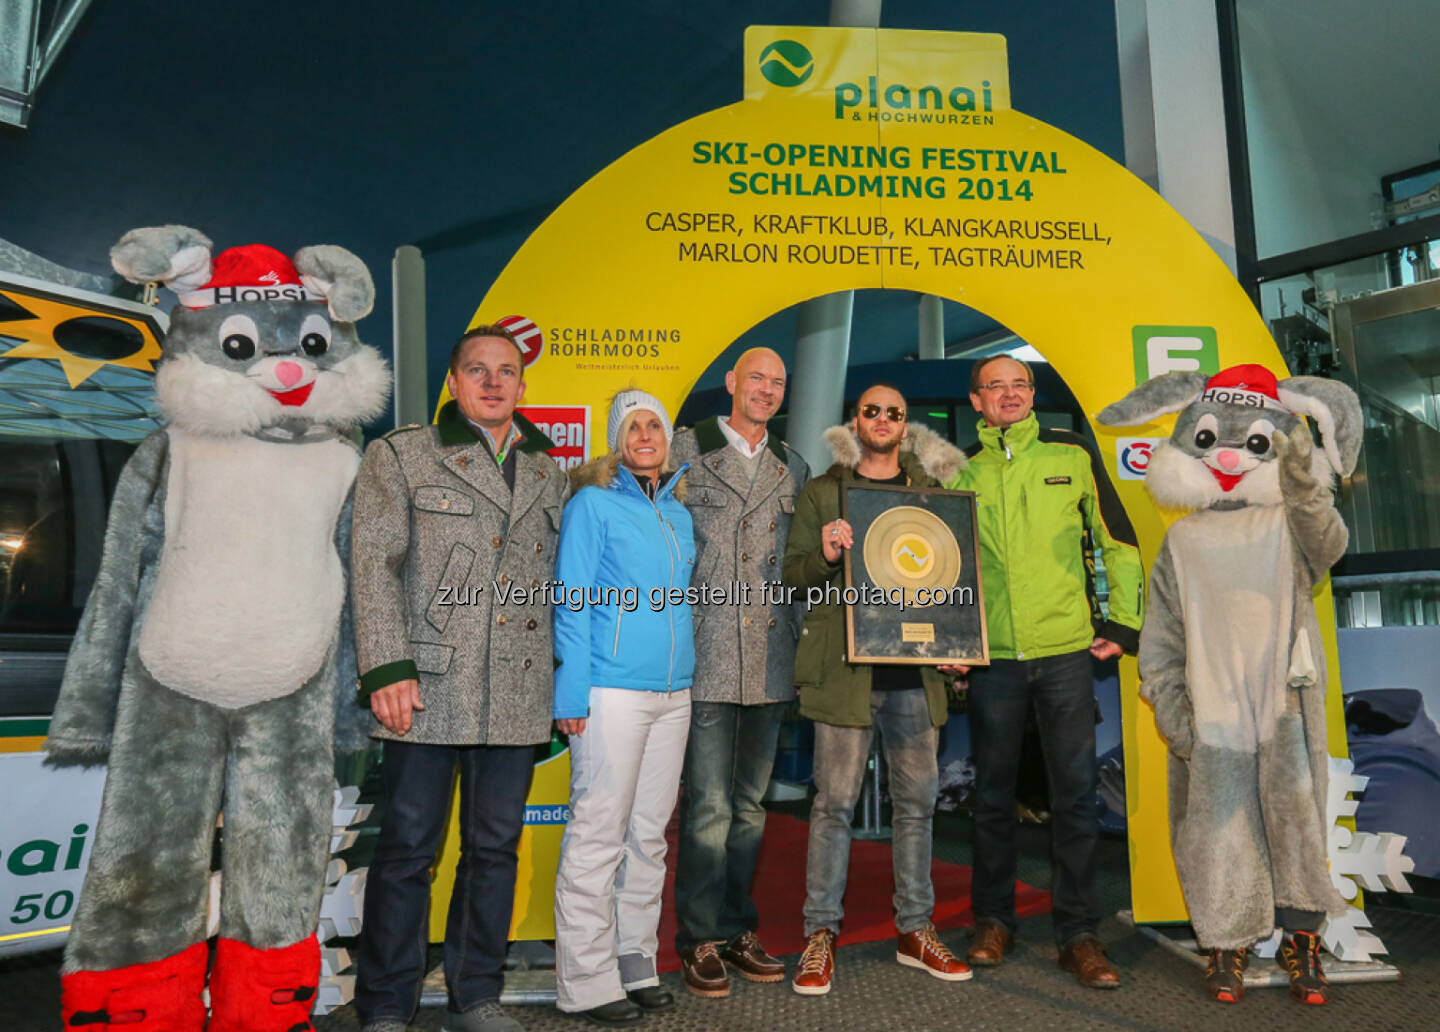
{"x":339,"y":277}
{"x":1336,"y":411}
{"x":176,"y":256}
{"x":1154,"y":398}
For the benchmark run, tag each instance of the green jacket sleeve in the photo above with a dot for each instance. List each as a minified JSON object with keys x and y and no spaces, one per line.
{"x":805,"y":563}
{"x":1113,"y":534}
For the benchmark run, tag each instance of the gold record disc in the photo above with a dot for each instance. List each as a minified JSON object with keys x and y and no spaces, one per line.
{"x":909,"y":548}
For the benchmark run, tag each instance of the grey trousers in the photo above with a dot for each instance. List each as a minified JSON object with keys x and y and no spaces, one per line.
{"x":910,"y":743}
{"x":624,"y":779}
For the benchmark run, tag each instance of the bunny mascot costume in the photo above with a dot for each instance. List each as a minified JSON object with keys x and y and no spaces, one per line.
{"x":208,"y":666}
{"x":1230,"y":653}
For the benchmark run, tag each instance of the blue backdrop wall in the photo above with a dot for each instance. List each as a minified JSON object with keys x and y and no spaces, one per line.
{"x":454,"y":126}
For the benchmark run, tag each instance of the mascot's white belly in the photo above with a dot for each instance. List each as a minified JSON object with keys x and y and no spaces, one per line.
{"x":249,"y":590}
{"x":1236,"y":574}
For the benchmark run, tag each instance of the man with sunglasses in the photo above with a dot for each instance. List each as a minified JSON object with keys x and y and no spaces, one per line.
{"x":906,"y":703}
{"x":1043,"y":502}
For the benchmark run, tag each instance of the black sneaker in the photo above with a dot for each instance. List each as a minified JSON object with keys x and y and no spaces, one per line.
{"x":651,"y":998}
{"x":1299,"y":955}
{"x":1225,"y":977}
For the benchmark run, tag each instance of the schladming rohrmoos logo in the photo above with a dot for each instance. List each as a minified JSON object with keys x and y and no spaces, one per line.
{"x":786,"y":63}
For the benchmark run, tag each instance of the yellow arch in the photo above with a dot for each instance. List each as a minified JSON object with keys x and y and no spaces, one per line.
{"x":598,"y":263}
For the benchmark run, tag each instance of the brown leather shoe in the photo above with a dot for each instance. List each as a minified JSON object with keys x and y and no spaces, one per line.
{"x":750,"y":960}
{"x":817,"y":965}
{"x":1086,"y":961}
{"x":988,"y":943}
{"x":923,"y":949}
{"x":704,"y":971}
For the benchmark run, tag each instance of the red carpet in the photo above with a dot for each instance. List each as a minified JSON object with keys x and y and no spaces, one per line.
{"x":869,"y":913}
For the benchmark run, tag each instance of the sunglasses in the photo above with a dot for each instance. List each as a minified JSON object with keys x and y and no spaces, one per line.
{"x":894,"y":413}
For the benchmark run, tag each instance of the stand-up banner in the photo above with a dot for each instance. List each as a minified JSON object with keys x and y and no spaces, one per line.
{"x":866,"y":158}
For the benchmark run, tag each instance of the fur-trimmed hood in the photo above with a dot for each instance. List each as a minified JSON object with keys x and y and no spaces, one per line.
{"x":935,"y":455}
{"x":602,"y":472}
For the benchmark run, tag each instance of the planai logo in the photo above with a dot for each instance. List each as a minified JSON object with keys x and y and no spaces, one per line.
{"x":786,"y":63}
{"x":891,"y":102}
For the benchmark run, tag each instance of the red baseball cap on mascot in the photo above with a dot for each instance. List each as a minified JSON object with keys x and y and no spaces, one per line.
{"x":1252,"y":386}
{"x":253,"y":272}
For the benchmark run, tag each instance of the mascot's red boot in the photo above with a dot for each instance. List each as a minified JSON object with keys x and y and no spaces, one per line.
{"x":163,"y":996}
{"x":264,"y":990}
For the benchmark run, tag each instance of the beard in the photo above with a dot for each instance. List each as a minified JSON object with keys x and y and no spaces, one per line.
{"x":879,"y":447}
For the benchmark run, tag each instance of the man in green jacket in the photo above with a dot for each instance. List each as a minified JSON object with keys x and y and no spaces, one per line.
{"x":907,"y":703}
{"x":1042,"y":501}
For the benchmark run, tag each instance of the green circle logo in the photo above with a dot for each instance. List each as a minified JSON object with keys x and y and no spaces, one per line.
{"x":786,"y":63}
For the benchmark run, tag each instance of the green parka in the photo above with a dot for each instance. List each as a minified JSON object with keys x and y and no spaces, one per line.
{"x":1038,"y":494}
{"x":833,"y":691}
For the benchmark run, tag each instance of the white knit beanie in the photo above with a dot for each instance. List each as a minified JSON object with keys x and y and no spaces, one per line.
{"x":627,"y":402}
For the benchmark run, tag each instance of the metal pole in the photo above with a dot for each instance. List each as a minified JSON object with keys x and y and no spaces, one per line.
{"x":19,"y":42}
{"x":822,"y":346}
{"x":932,"y":327}
{"x":855,"y":14}
{"x":412,"y":396}
{"x":62,"y":26}
{"x":817,"y":383}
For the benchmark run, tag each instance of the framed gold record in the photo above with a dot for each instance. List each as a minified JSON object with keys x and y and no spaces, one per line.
{"x":908,"y":547}
{"x":913,"y":593}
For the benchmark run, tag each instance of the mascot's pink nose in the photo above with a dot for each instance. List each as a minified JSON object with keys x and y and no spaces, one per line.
{"x":1227,"y":458}
{"x":288,"y":372}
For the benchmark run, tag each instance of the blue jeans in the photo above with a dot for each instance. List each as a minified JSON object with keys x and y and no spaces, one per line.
{"x":1062,"y":691}
{"x":494,"y":780}
{"x":722,"y":818}
{"x":909,"y":741}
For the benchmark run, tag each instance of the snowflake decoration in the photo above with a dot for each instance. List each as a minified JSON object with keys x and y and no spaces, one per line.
{"x":343,"y":905}
{"x":1358,"y":859}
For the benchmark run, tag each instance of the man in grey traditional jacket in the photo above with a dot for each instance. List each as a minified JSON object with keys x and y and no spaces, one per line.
{"x":742,"y":487}
{"x":450,"y":520}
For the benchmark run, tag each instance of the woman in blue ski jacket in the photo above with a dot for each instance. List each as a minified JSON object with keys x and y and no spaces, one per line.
{"x":625,"y":643}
